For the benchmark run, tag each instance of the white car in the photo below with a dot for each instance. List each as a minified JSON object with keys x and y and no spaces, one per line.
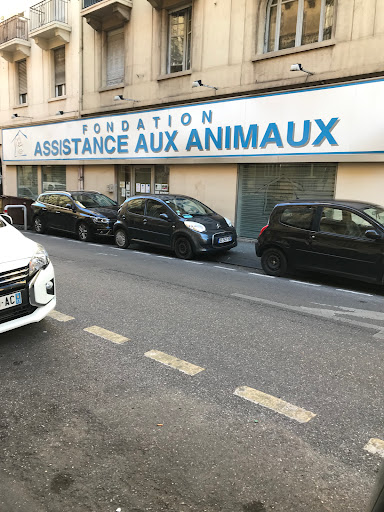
{"x":27,"y":279}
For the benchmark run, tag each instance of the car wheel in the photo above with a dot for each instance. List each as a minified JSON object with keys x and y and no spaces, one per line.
{"x":183,"y":248}
{"x":83,"y":232}
{"x":121,"y":239}
{"x":38,"y":225}
{"x":274,"y":262}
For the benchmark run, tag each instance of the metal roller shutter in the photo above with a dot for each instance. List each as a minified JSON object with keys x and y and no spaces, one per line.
{"x":59,"y":58}
{"x":115,"y":57}
{"x":22,"y":73}
{"x":262,"y":186}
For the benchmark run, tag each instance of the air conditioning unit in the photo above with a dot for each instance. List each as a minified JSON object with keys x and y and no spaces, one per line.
{"x":110,"y":187}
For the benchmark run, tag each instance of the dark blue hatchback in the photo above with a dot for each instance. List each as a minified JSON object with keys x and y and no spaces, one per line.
{"x":180,"y":223}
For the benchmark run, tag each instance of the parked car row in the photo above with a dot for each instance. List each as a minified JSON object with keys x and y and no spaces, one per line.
{"x":176,"y":222}
{"x":344,"y":238}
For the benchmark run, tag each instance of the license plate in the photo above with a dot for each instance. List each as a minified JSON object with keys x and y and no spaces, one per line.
{"x":225,"y":239}
{"x":8,"y":301}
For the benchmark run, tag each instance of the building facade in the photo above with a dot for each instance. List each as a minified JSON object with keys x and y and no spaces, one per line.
{"x":239,"y":104}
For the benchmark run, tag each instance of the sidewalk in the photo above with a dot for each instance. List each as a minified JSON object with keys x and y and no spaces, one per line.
{"x":243,"y":255}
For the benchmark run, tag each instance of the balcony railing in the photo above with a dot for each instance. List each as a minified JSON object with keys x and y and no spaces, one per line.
{"x":46,"y":12}
{"x":88,"y":3}
{"x":13,"y":28}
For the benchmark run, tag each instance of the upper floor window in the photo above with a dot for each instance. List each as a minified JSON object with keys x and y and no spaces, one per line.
{"x":115,"y":51}
{"x":22,"y":80}
{"x":179,"y":40}
{"x":59,"y":64}
{"x":293,"y":23}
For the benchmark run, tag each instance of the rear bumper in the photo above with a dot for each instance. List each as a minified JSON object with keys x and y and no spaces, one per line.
{"x":258,"y":249}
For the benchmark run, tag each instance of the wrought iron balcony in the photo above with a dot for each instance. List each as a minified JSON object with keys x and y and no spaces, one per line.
{"x":48,"y":24}
{"x":111,"y":13}
{"x":47,"y":12}
{"x":14,"y":38}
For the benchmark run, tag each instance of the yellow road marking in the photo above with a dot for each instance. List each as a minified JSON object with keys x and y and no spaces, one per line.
{"x":276,"y":404}
{"x":60,"y":316}
{"x":375,"y":446}
{"x":107,"y":335}
{"x":174,"y":362}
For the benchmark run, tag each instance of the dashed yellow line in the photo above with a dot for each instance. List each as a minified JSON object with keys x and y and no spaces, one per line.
{"x":375,"y":446}
{"x":107,"y":335}
{"x":275,"y":404}
{"x":60,"y":317}
{"x":174,"y":362}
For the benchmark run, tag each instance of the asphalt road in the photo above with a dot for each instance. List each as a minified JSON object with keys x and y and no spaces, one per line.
{"x":90,"y":424}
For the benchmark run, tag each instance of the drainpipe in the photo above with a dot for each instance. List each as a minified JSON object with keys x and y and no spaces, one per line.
{"x":81,"y":89}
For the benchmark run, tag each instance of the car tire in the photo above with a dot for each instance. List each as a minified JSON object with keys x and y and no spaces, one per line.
{"x":183,"y":248}
{"x":121,"y":239}
{"x":83,"y":232}
{"x":39,"y":225}
{"x":274,"y":262}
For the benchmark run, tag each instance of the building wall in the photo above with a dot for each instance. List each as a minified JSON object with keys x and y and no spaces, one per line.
{"x":97,"y":177}
{"x":213,"y":185}
{"x":227,"y":51}
{"x":363,"y":182}
{"x":41,"y":104}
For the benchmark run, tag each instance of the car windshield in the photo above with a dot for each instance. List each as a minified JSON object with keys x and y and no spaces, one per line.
{"x":186,"y":207}
{"x":376,"y":213}
{"x":93,"y":200}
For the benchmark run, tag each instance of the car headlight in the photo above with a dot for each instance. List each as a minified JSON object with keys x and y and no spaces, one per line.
{"x":101,"y":220}
{"x":195,"y":226}
{"x":228,"y":222}
{"x":39,"y":260}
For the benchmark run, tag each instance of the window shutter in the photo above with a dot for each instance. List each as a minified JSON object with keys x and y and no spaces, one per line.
{"x":22,"y":75}
{"x":59,"y":61}
{"x":115,"y":57}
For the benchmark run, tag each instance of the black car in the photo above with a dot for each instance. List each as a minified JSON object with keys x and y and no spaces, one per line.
{"x":177,"y":222}
{"x":344,"y":238}
{"x":85,"y":213}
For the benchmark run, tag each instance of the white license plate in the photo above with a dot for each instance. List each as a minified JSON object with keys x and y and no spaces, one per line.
{"x":8,"y":301}
{"x":225,"y":239}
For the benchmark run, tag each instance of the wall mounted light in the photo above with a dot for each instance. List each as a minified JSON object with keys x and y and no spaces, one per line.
{"x":119,"y":97}
{"x":62,"y":112}
{"x":299,"y":67}
{"x":198,"y":83}
{"x":16,"y":116}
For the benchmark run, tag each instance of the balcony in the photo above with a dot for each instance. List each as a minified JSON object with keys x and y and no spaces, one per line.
{"x":14,"y":44}
{"x":106,"y":14}
{"x":48,"y":23}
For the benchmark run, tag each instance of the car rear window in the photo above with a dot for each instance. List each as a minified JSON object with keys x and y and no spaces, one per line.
{"x":297,"y":216}
{"x":136,"y":206}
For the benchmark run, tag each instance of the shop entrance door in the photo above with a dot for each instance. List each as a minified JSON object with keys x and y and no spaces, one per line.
{"x":124,"y":188}
{"x":143,"y":180}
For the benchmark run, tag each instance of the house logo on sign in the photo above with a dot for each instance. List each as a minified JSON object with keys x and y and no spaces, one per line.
{"x":19,"y":143}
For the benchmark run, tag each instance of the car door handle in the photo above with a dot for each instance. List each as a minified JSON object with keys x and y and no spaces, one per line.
{"x":58,"y":212}
{"x":312,"y":236}
{"x":145,"y":221}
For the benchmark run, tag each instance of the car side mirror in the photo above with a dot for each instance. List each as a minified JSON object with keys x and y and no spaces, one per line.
{"x":164,"y":216}
{"x":70,"y":206}
{"x":372,"y":234}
